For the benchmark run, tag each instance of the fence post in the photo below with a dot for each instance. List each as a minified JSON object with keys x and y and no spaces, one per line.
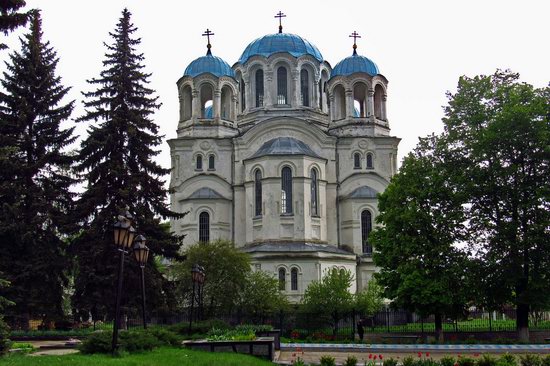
{"x":353,"y":325}
{"x":388,"y":319}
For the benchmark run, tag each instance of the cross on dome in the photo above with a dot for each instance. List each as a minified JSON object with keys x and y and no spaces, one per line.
{"x":280,"y":15}
{"x":208,"y":33}
{"x":355,"y":35}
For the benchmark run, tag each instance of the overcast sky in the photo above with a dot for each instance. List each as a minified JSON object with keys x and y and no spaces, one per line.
{"x":421,"y":47}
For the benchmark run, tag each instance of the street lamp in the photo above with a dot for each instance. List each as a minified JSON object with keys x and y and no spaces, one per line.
{"x":197,"y":275}
{"x":141,"y":253}
{"x":123,"y":237}
{"x":200,"y":279}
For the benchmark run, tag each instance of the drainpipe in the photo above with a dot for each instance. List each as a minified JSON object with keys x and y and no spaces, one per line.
{"x":337,"y":194}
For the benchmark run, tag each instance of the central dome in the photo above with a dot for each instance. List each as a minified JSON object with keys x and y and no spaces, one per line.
{"x":280,"y":42}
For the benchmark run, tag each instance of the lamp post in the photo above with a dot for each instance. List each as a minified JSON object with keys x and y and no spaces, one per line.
{"x":195,"y":275}
{"x":141,"y":253}
{"x":200,"y":279}
{"x":123,"y":237}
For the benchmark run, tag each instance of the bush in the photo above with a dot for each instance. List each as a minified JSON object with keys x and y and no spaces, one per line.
{"x":390,"y":362}
{"x":243,"y":334}
{"x":546,"y":361}
{"x":530,"y":360}
{"x":447,"y":361}
{"x":129,"y":341}
{"x":298,"y":362}
{"x":350,"y":361}
{"x":507,"y":360}
{"x":254,"y":327}
{"x":409,"y":361}
{"x":328,"y":361}
{"x":466,"y":361}
{"x":487,"y":360}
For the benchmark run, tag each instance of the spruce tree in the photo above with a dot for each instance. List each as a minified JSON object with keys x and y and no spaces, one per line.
{"x":34,"y":181}
{"x":10,"y":19}
{"x":116,"y":160}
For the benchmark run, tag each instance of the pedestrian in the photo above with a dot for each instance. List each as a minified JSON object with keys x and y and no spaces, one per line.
{"x":360,"y":329}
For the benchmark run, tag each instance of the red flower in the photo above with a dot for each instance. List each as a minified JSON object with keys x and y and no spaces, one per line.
{"x":375,"y":357}
{"x":380,"y":356}
{"x":419,"y":354}
{"x":427,"y":354}
{"x":370,"y":355}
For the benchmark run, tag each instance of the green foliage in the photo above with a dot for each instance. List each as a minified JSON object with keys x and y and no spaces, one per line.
{"x":487,"y":360}
{"x":226,"y":270}
{"x":260,"y":294}
{"x":392,"y":362}
{"x":530,"y":360}
{"x":466,"y":361}
{"x":242,"y":334}
{"x":327,"y":361}
{"x":299,"y":362}
{"x":129,"y":341}
{"x":10,"y":19}
{"x":507,"y":359}
{"x":5,"y":342}
{"x":254,"y":327}
{"x":546,"y":361}
{"x":409,"y":361}
{"x":447,"y":361}
{"x":371,"y":300}
{"x":330,"y":297}
{"x":352,"y":361}
{"x":200,"y":327}
{"x":116,"y":160}
{"x":35,"y":181}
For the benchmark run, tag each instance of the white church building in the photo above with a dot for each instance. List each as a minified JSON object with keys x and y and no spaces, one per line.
{"x":283,"y":154}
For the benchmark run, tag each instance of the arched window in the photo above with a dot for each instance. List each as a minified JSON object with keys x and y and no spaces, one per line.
{"x":366,"y":227}
{"x":339,"y":103}
{"x":282,"y":279}
{"x":204,"y":227}
{"x":378,"y":93}
{"x":243,"y":95}
{"x":258,"y":192}
{"x":314,"y":193}
{"x":304,"y":87}
{"x":211,"y":162}
{"x":369,"y":161}
{"x":198,"y":162}
{"x":294,"y":279}
{"x":259,"y":88}
{"x":357,"y":161}
{"x":207,"y":98}
{"x":186,"y":103}
{"x":286,"y":190}
{"x":282,"y":95}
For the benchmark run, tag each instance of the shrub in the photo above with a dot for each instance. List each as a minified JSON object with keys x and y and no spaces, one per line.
{"x":447,"y":361}
{"x":466,"y":361}
{"x":408,"y":361}
{"x":298,"y":362}
{"x":350,"y":361}
{"x":254,"y":327}
{"x":390,"y":362}
{"x":129,"y":341}
{"x":530,"y":360}
{"x":546,"y":361}
{"x":507,"y":360}
{"x":243,"y":334}
{"x":487,"y":360}
{"x":328,"y":361}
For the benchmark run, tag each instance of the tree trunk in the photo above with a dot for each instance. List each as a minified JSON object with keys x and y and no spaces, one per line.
{"x":438,"y":328}
{"x":522,"y":322}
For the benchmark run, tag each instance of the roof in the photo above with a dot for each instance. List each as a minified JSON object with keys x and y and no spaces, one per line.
{"x":363,"y":192}
{"x":209,"y":64}
{"x":294,"y":247}
{"x":355,"y":63}
{"x":284,"y":146}
{"x":205,"y":193}
{"x":280,"y":42}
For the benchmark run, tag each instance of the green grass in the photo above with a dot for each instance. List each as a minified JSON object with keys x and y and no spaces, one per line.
{"x":160,"y":357}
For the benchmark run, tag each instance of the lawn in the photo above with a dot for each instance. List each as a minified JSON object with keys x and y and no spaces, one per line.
{"x":160,"y":357}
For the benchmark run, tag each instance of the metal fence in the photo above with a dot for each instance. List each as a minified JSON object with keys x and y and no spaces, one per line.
{"x":303,"y":325}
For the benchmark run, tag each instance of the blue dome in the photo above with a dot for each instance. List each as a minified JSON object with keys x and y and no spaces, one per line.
{"x":355,"y":63}
{"x":212,"y":64}
{"x":280,"y":42}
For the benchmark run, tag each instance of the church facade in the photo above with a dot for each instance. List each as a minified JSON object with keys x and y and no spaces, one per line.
{"x":283,"y":155}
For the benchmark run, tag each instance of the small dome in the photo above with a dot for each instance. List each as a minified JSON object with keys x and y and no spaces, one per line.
{"x":355,"y":63}
{"x":280,"y":42}
{"x":284,"y":146}
{"x":209,"y":64}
